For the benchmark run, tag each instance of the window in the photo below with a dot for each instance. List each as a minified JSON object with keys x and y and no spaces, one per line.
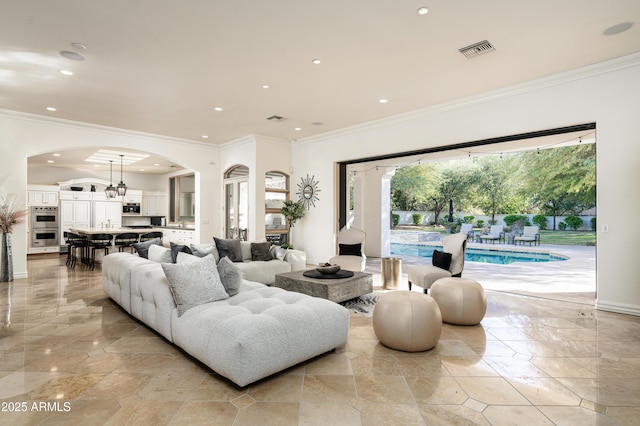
{"x":182,"y":199}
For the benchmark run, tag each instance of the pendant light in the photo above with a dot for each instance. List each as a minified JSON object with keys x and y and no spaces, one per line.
{"x":122,"y":188}
{"x":111,"y":190}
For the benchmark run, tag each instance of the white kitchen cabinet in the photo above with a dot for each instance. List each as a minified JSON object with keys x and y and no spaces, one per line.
{"x":179,"y":236}
{"x":76,"y":195}
{"x":154,"y":204}
{"x":107,"y":214}
{"x":134,"y":196}
{"x":74,"y":214}
{"x":42,"y":198}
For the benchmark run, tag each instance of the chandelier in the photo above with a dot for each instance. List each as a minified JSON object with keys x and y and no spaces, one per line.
{"x":111,"y":190}
{"x":122,"y":188}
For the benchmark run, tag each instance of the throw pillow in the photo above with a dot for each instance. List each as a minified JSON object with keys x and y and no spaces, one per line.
{"x":202,"y":250}
{"x":350,"y":249}
{"x":186,"y":258}
{"x":230,"y":275}
{"x":278,"y":252}
{"x":260,"y":251}
{"x":143,"y":248}
{"x":441,"y":259}
{"x":194,"y":283}
{"x":159,"y":254}
{"x":229,"y":248}
{"x":177,"y":248}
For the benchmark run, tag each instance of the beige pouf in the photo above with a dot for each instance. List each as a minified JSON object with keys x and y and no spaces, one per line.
{"x":461,"y":301}
{"x":407,"y":320}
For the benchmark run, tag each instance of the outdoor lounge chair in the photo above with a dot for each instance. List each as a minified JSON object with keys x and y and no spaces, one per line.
{"x":467,"y":229}
{"x":530,"y":234}
{"x":496,"y":233}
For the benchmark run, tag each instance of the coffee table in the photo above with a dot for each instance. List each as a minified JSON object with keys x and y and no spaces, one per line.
{"x":336,"y":290}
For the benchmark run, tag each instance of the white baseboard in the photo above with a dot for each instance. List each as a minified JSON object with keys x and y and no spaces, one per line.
{"x":620,"y":308}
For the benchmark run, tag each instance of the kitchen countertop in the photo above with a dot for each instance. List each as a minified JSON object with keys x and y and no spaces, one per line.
{"x":112,"y":231}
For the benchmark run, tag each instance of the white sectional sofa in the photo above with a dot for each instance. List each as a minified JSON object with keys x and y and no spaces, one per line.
{"x":265,"y":271}
{"x":249,"y":336}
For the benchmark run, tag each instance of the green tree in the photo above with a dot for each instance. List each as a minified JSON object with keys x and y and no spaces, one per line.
{"x":495,"y":183}
{"x":561,"y":180}
{"x":411,"y":186}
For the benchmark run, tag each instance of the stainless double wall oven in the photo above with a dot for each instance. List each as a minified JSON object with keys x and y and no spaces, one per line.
{"x":45,"y":226}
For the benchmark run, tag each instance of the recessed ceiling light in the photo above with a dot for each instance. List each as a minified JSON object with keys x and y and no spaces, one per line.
{"x":205,"y":136}
{"x":315,"y":61}
{"x":56,"y":155}
{"x":383,"y":101}
{"x":51,"y":109}
{"x":618,"y":28}
{"x":218,"y":109}
{"x":297,"y":129}
{"x":265,"y":86}
{"x":156,"y":164}
{"x":66,"y":72}
{"x":142,"y":170}
{"x":422,"y":11}
{"x":50,"y":161}
{"x":79,"y":46}
{"x":71,"y":55}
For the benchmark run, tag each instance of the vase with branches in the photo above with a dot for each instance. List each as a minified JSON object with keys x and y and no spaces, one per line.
{"x":11,"y":214}
{"x":292,"y":211}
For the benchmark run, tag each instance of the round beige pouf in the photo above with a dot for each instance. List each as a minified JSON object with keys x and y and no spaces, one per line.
{"x":407,"y":320}
{"x":461,"y":301}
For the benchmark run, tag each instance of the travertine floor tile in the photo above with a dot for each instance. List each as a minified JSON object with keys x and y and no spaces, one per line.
{"x":530,"y":361}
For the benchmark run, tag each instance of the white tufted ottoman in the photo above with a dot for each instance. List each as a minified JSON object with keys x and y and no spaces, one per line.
{"x":407,"y":320}
{"x":461,"y":301}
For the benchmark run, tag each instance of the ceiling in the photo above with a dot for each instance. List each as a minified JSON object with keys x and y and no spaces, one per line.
{"x":162,"y":66}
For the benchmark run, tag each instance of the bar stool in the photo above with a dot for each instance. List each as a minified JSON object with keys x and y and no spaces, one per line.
{"x":125,"y":240}
{"x":99,"y":242}
{"x":150,"y":236}
{"x":76,"y":242}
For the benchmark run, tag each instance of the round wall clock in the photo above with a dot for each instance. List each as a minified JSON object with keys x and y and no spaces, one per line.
{"x":308,"y":191}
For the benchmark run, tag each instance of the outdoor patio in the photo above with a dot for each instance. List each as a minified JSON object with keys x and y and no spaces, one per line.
{"x":571,"y":280}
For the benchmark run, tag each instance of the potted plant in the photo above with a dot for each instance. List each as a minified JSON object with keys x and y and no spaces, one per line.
{"x":292,"y":211}
{"x":11,"y":214}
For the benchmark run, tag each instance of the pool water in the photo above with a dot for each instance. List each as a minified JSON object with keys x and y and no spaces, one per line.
{"x":500,"y":257}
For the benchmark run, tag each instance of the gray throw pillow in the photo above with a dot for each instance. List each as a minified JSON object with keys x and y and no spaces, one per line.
{"x":159,"y":254}
{"x":230,"y":275}
{"x":177,"y":248}
{"x":278,"y":252}
{"x":229,"y":248}
{"x":202,"y":250}
{"x":143,"y":248}
{"x":260,"y":251}
{"x":194,"y":283}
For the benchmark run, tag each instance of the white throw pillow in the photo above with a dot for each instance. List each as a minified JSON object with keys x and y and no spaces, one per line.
{"x":194,"y":283}
{"x":186,"y":258}
{"x":160,"y":254}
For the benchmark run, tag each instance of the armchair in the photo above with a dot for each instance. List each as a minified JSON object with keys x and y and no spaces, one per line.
{"x":350,"y":255}
{"x":425,"y":275}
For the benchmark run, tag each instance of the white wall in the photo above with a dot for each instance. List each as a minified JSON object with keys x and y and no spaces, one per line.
{"x":608,"y":94}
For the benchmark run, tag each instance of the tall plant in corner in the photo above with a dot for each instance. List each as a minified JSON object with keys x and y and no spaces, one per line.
{"x":11,"y":214}
{"x":292,"y":211}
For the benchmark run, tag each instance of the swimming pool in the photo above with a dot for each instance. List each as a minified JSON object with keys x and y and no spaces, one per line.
{"x":500,"y":257}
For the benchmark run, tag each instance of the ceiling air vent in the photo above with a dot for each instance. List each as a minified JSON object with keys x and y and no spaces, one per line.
{"x":276,"y":118}
{"x":477,"y":49}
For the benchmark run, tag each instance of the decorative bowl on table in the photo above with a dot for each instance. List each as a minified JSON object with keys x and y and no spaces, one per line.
{"x":328,"y":268}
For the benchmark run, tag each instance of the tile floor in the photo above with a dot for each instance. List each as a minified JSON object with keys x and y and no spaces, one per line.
{"x":71,"y":356}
